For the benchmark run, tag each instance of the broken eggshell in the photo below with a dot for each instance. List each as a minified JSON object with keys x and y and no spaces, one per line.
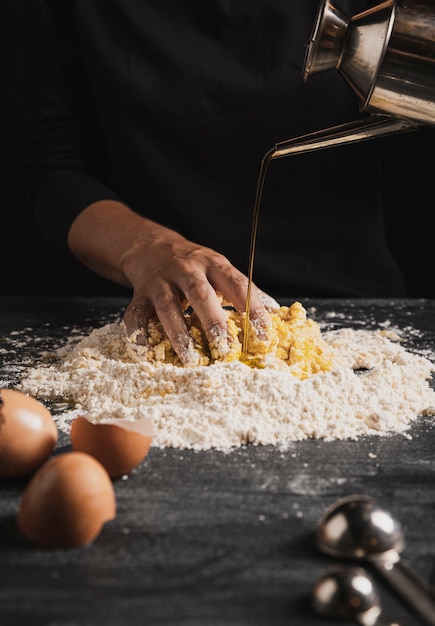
{"x":118,"y":444}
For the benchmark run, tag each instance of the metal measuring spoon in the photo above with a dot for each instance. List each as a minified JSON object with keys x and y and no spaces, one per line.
{"x":349,"y":592}
{"x":356,"y":527}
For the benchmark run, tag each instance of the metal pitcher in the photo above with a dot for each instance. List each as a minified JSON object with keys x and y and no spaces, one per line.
{"x":387,"y":56}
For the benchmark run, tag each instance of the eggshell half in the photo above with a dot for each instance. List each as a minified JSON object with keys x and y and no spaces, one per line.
{"x":28,"y":433}
{"x":67,"y":502}
{"x":119,"y":445}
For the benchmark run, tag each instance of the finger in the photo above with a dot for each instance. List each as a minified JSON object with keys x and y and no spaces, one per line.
{"x":233,"y":284}
{"x":270,"y":303}
{"x":258,"y":314}
{"x":136,"y":318}
{"x":170,"y":313}
{"x":208,"y":308}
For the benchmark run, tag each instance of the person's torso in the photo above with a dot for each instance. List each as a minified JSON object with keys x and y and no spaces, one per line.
{"x":191,"y":95}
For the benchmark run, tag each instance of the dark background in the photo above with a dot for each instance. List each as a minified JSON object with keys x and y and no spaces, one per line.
{"x":31,"y":266}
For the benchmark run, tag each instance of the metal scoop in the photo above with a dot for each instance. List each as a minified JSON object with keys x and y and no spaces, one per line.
{"x":356,"y":527}
{"x":349,"y":592}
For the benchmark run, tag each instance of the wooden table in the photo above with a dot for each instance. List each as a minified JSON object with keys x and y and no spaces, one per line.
{"x":211,"y":538}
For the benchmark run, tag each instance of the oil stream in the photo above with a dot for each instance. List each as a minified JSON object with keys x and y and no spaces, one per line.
{"x":350,"y":132}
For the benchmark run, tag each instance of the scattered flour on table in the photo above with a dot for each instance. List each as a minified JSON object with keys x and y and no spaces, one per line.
{"x":376,"y":387}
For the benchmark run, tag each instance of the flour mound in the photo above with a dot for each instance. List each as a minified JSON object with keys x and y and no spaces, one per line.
{"x":375,"y":387}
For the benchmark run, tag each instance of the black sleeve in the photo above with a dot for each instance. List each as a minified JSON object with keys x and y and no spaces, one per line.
{"x":61,"y":149}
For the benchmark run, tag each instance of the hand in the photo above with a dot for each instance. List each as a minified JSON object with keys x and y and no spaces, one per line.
{"x":166,"y":272}
{"x":172,"y":272}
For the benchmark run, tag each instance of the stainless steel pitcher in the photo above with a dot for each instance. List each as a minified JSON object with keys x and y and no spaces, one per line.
{"x":387,"y":56}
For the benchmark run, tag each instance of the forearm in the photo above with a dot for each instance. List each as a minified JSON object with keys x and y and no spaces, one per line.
{"x":108,"y":238}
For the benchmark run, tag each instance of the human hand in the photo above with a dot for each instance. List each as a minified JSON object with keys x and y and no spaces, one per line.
{"x":169,"y":273}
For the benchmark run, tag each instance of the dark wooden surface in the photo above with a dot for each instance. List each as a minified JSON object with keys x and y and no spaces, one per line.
{"x":209,"y":538}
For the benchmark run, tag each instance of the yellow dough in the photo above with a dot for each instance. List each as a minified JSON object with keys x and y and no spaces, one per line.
{"x":293,"y":341}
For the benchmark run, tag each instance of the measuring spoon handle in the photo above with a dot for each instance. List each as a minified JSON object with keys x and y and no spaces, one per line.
{"x":415,"y":591}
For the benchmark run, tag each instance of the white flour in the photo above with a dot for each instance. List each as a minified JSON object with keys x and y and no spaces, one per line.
{"x":376,"y":388}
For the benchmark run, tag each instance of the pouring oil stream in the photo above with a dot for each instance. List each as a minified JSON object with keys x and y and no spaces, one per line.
{"x":358,"y":130}
{"x":258,"y":195}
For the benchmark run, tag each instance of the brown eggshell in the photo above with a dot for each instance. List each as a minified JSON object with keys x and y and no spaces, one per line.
{"x":67,"y":502}
{"x":119,"y":445}
{"x":28,"y":433}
